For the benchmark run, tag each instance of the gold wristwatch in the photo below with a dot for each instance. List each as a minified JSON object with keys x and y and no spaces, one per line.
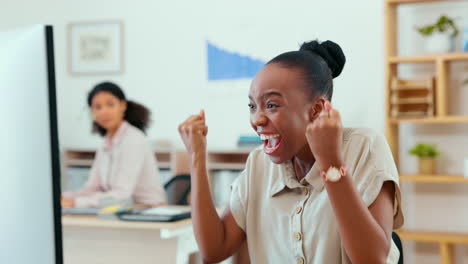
{"x":334,"y":174}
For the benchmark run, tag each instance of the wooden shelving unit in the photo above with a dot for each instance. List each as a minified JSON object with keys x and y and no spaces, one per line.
{"x":85,"y":158}
{"x":441,"y":116}
{"x":392,"y":60}
{"x":433,"y":178}
{"x":430,"y":236}
{"x":433,"y":58}
{"x":445,"y":240}
{"x":233,"y":159}
{"x":164,"y":158}
{"x":227,"y":160}
{"x":226,"y":166}
{"x":174,"y":160}
{"x":430,"y":120}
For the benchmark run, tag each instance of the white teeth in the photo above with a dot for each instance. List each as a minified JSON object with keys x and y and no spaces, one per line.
{"x":273,"y":141}
{"x":265,"y":137}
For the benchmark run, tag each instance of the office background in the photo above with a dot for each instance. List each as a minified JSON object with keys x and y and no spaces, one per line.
{"x":165,"y":68}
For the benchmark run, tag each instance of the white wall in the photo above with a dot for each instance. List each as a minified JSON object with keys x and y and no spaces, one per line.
{"x":166,"y":70}
{"x":166,"y":60}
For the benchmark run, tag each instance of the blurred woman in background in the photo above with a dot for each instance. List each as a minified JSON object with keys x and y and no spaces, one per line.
{"x":124,"y":168}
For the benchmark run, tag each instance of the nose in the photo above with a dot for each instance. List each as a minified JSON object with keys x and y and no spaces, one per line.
{"x":102,"y":112}
{"x":258,"y":119}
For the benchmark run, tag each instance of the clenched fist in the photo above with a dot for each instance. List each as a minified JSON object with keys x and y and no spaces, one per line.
{"x":193,"y":132}
{"x":324,"y":136}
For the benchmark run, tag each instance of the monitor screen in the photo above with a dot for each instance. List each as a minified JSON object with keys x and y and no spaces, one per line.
{"x":30,"y":225}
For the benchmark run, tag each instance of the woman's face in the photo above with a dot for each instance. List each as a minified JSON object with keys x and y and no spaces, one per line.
{"x":280,"y":111}
{"x":108,"y":110}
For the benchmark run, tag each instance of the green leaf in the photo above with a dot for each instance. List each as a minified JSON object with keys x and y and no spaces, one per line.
{"x":443,"y":24}
{"x":424,"y":151}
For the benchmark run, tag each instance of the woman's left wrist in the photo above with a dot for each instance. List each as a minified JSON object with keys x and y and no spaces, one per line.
{"x":335,"y":161}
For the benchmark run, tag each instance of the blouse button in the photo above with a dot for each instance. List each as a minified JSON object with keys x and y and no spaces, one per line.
{"x":300,"y":260}
{"x":297,"y":236}
{"x":298,"y":209}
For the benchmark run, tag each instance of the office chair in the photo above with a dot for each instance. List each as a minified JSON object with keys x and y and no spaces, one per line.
{"x":177,"y":189}
{"x":399,"y":245}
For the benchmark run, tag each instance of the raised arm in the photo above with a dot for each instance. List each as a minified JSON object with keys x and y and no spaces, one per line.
{"x":365,"y":231}
{"x":217,"y":237}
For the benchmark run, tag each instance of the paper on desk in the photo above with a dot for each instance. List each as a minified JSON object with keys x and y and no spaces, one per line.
{"x":165,"y":211}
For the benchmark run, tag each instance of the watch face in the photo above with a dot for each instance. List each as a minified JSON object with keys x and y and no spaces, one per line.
{"x":333,"y":174}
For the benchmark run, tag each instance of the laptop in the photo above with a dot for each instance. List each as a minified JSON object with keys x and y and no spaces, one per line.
{"x":157,"y":214}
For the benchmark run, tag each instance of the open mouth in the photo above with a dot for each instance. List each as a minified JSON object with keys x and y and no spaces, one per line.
{"x":271,"y":143}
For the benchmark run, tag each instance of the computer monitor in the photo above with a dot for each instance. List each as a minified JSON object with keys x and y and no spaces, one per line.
{"x":30,"y":227}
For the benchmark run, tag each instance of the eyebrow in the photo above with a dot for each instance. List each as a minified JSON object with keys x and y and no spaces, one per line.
{"x":268,"y":94}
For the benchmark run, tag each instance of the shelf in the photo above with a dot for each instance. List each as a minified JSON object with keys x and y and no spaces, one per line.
{"x":445,"y":240}
{"x":412,"y":59}
{"x":432,"y":58}
{"x":242,"y":150}
{"x":89,"y":163}
{"x":433,"y":236}
{"x":399,"y":2}
{"x":455,"y":56}
{"x":226,"y":166}
{"x":218,"y":159}
{"x":431,"y":120}
{"x":79,"y":163}
{"x":164,"y":165}
{"x":408,"y":88}
{"x":412,"y":114}
{"x":433,"y":178}
{"x":400,"y":101}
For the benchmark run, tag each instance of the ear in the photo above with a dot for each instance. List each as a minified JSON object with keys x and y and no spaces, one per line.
{"x":316,"y":108}
{"x":124,"y":106}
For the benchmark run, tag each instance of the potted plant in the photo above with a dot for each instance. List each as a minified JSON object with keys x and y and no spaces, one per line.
{"x":426,"y":154}
{"x":440,"y":36}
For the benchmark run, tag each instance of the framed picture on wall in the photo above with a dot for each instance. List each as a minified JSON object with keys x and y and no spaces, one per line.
{"x":96,"y":48}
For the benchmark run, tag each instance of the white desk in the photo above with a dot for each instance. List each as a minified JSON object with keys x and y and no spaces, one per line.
{"x":91,"y":240}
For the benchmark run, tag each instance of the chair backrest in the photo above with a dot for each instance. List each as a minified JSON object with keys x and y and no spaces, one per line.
{"x":177,"y":189}
{"x":399,"y":245}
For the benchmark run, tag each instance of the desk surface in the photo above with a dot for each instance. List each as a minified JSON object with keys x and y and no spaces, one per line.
{"x":93,"y":221}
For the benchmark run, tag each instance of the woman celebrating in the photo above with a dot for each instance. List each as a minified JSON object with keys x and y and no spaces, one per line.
{"x":315,"y":192}
{"x":125,"y":166}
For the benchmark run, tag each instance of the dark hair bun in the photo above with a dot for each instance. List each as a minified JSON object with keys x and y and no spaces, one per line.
{"x":330,"y":52}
